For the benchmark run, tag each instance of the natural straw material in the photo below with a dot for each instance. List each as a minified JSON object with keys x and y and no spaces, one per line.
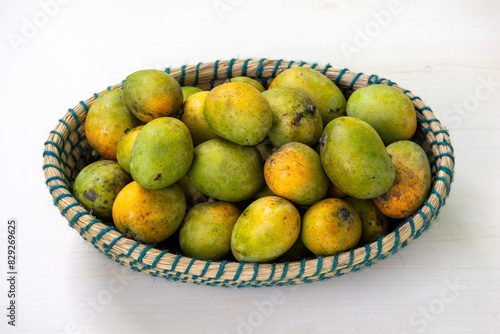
{"x":67,"y":152}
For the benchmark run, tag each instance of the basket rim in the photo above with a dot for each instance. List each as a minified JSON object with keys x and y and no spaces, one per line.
{"x":66,"y":144}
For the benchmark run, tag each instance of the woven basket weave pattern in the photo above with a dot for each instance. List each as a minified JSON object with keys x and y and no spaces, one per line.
{"x":67,"y":152}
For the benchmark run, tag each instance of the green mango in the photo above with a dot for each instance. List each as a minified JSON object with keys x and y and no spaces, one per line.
{"x":238,"y":112}
{"x":187,"y":91}
{"x":98,"y":184}
{"x":194,"y":119}
{"x":206,"y":231}
{"x":249,"y":81}
{"x":387,"y":109}
{"x":151,"y":94}
{"x":355,"y":159}
{"x":162,"y":153}
{"x":265,"y":230}
{"x":124,"y":147}
{"x":226,"y":171}
{"x":295,"y":117}
{"x":324,"y":93}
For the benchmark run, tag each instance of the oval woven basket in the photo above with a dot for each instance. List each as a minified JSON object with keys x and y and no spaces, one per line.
{"x":67,"y":152}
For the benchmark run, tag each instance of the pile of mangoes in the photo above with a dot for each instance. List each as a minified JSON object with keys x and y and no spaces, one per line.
{"x":241,"y":172}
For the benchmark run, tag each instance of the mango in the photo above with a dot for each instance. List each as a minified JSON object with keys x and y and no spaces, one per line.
{"x":193,"y":195}
{"x":238,"y":112}
{"x":297,"y":252}
{"x":162,"y":153}
{"x":226,"y":171}
{"x":334,"y":191}
{"x":413,"y":180}
{"x":387,"y":109}
{"x":107,"y":121}
{"x":206,"y":231}
{"x":331,"y":226}
{"x":265,"y":230}
{"x":266,"y":191}
{"x":295,"y":172}
{"x":194,"y":119}
{"x":149,"y":215}
{"x":151,"y":94}
{"x":355,"y":159}
{"x":265,"y":149}
{"x":295,"y":117}
{"x":124,"y":147}
{"x":98,"y":184}
{"x":249,"y":81}
{"x":325,"y":95}
{"x":187,"y":91}
{"x":374,"y":222}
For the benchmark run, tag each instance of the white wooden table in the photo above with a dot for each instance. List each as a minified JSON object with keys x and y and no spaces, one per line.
{"x":56,"y":53}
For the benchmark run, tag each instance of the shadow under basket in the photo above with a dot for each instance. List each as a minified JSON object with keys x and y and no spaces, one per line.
{"x":67,"y":152}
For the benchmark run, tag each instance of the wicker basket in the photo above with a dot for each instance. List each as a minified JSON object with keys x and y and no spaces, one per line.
{"x":67,"y":152}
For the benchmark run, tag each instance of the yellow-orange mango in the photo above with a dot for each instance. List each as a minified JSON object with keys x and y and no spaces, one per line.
{"x":124,"y":148}
{"x":194,"y":119}
{"x":295,"y":172}
{"x":412,"y":183}
{"x":149,"y":215}
{"x":108,"y":120}
{"x":331,"y":226}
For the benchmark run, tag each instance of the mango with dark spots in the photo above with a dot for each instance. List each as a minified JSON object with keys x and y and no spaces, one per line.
{"x":387,"y":109}
{"x":206,"y":231}
{"x":226,"y":171}
{"x":98,"y":184}
{"x":187,"y":91}
{"x":194,"y":119}
{"x":355,"y":159}
{"x":295,"y":117}
{"x":162,"y":153}
{"x":265,"y":230}
{"x":107,"y":121}
{"x":331,"y":226}
{"x":124,"y":148}
{"x":249,"y":81}
{"x":324,"y":93}
{"x":295,"y":172}
{"x":238,"y":112}
{"x":374,"y":222}
{"x":149,"y":215}
{"x":151,"y":94}
{"x":413,"y":180}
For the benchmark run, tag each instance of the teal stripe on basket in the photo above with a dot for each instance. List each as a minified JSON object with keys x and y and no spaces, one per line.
{"x":273,"y":269}
{"x":197,"y":74}
{"x":244,"y":67}
{"x":276,"y":67}
{"x":440,"y":199}
{"x":367,"y":254}
{"x":379,"y":247}
{"x":260,"y":68}
{"x":302,"y":268}
{"x":447,"y":185}
{"x":314,"y":65}
{"x":412,"y":226}
{"x":221,"y":269}
{"x":183,"y":75}
{"x":75,"y":218}
{"x":155,"y":262}
{"x":372,"y":79}
{"x":229,"y":72}
{"x":85,"y":107}
{"x":189,"y":265}
{"x":339,"y":76}
{"x":285,"y":270}
{"x":89,"y":225}
{"x":255,"y":272}
{"x":351,"y":258}
{"x":238,"y":271}
{"x":396,"y":241}
{"x":97,"y":95}
{"x":59,"y":186}
{"x":63,"y":141}
{"x":327,"y":66}
{"x":214,"y":77}
{"x":103,"y":232}
{"x":319,"y":265}
{"x":205,"y":268}
{"x":112,"y":243}
{"x":143,"y":253}
{"x":335,"y":263}
{"x":356,"y":77}
{"x":167,"y":70}
{"x":290,"y":64}
{"x":176,"y":260}
{"x":302,"y":63}
{"x":54,"y":178}
{"x":75,"y":117}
